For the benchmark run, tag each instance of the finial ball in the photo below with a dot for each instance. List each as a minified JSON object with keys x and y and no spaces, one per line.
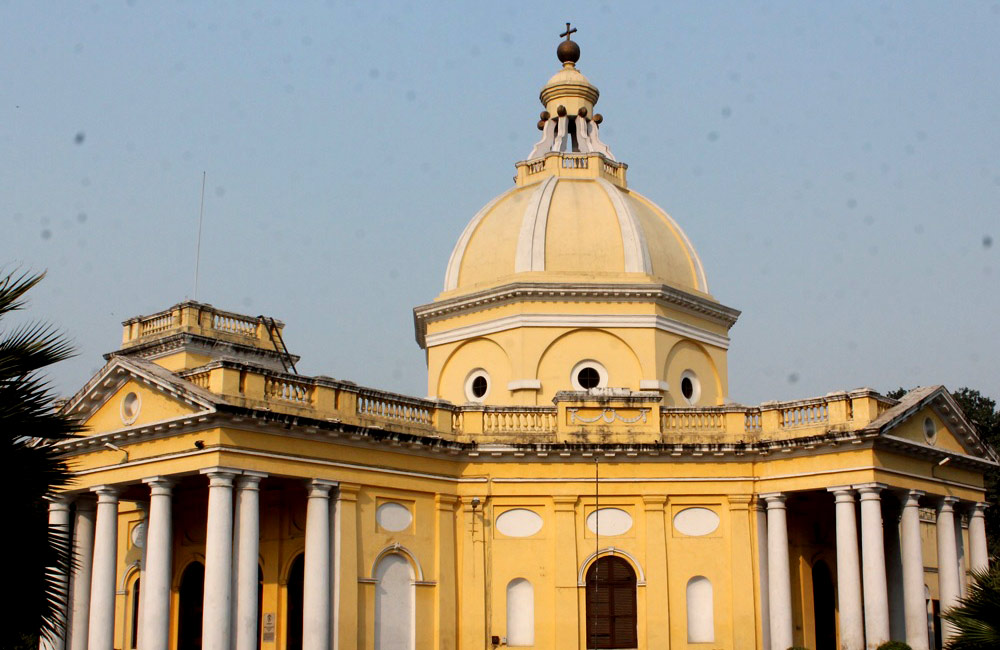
{"x":544,"y":115}
{"x":568,"y":52}
{"x":582,"y":112}
{"x":598,"y":118}
{"x":561,"y":111}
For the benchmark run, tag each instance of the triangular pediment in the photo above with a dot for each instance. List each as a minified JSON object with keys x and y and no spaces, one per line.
{"x":130,"y":392}
{"x":930,"y":417}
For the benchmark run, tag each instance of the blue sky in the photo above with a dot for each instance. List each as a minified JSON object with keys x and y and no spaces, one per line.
{"x":837,"y":165}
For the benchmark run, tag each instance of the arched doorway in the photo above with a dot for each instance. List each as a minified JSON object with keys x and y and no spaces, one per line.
{"x":611,"y":604}
{"x":395,"y":604}
{"x":192,"y":601}
{"x":293,"y":617}
{"x":824,"y":607}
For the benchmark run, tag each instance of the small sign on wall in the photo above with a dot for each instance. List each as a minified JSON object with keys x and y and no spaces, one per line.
{"x":267,"y":633}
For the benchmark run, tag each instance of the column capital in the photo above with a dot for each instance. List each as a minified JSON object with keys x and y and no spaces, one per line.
{"x":978,"y":508}
{"x":911,"y":498}
{"x":739,"y":501}
{"x":220,"y":476}
{"x":106,"y":493}
{"x":947,"y":504}
{"x":774,"y":500}
{"x":654,"y":502}
{"x":842,"y":493}
{"x":59,"y":502}
{"x":348,"y":491}
{"x":869,"y":490}
{"x":320,"y":488}
{"x":445,"y":501}
{"x":564,"y":503}
{"x":159,"y":485}
{"x":249,"y":479}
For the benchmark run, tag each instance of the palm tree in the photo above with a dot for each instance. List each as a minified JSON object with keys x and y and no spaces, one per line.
{"x":29,"y":424}
{"x":976,"y":619}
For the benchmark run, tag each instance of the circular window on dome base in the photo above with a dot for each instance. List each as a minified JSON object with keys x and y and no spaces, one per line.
{"x":477,"y":385}
{"x":589,"y":374}
{"x":690,"y":387}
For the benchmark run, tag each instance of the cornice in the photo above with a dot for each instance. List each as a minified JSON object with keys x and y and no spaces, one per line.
{"x":572,"y":292}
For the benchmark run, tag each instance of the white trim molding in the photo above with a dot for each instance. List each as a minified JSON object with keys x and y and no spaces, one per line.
{"x":401,"y":550}
{"x":524,"y":384}
{"x":455,"y":262}
{"x":581,"y":577}
{"x":654,"y":384}
{"x":651,"y":321}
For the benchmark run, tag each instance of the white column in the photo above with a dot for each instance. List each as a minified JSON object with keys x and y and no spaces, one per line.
{"x":316,"y":587}
{"x":913,"y":572}
{"x":765,"y":608}
{"x":893,"y":568}
{"x":873,"y":562}
{"x":779,"y":578}
{"x":948,"y":587}
{"x":101,"y":630}
{"x":852,"y":627}
{"x":248,"y":525}
{"x":154,"y":628}
{"x":59,"y":520}
{"x":143,"y":561}
{"x":79,"y":587}
{"x":978,"y":553}
{"x":216,"y":631}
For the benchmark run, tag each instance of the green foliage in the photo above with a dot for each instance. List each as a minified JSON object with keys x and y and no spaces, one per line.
{"x":894,"y":645}
{"x":29,"y":425}
{"x":976,"y":619}
{"x":897,"y":393}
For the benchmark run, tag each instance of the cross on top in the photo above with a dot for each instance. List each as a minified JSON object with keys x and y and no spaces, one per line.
{"x":567,"y":32}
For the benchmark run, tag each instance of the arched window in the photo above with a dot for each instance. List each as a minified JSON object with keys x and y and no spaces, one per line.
{"x":395,"y":604}
{"x":192,"y":602}
{"x":611,"y":608}
{"x":700,"y":610}
{"x":520,"y":613}
{"x":293,"y":595}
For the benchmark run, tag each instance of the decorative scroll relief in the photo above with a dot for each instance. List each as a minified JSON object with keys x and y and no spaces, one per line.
{"x":393,"y":517}
{"x":608,"y":522}
{"x":696,"y":522}
{"x":607,"y":415}
{"x":519,"y":522}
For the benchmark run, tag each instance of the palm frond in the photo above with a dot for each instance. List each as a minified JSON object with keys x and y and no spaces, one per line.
{"x":976,"y":618}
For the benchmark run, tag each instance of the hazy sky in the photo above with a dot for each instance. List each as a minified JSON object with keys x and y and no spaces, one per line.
{"x":837,"y":166}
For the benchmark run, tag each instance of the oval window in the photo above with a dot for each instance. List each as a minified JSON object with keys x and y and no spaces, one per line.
{"x":393,"y":517}
{"x":519,"y":522}
{"x":609,"y":522}
{"x":131,"y":404}
{"x":696,"y":521}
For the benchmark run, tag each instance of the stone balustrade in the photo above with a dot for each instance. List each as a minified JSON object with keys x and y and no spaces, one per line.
{"x":576,"y":416}
{"x":573,"y":165}
{"x":201,"y":319}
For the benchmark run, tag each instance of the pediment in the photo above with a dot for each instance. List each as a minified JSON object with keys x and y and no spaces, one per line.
{"x":931,"y":418}
{"x":132,"y":392}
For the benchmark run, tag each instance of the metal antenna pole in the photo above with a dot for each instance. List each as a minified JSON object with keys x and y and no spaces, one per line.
{"x":597,"y":531}
{"x":201,"y":218}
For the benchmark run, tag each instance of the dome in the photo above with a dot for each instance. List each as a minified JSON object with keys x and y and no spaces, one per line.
{"x":572,"y":230}
{"x":571,"y":218}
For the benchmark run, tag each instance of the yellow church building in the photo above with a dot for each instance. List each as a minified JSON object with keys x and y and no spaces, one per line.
{"x":575,"y":478}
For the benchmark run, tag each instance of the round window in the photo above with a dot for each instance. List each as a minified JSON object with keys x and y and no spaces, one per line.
{"x":588,"y":374}
{"x":477,"y":385}
{"x":130,"y":408}
{"x":690,"y":387}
